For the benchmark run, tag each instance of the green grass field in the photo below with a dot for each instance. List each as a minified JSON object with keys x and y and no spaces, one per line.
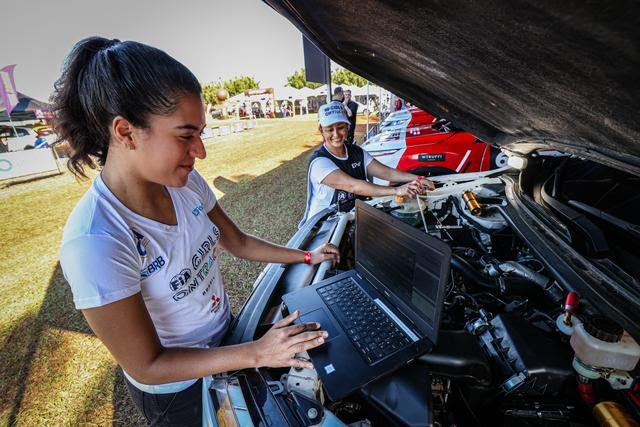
{"x":53,"y":370}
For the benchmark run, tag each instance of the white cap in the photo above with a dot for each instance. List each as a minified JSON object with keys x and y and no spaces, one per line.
{"x":332,"y":113}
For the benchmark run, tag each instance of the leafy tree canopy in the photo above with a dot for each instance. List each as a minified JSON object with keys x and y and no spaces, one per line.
{"x":234,"y":86}
{"x":299,"y":80}
{"x":342,"y":76}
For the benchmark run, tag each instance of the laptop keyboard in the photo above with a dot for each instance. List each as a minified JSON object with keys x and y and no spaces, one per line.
{"x":370,"y":329}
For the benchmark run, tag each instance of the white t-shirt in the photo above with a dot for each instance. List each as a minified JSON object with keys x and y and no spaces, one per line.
{"x":322,"y":194}
{"x":109,"y":253}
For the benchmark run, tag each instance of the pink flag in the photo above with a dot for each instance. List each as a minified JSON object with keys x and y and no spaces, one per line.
{"x":8,"y":88}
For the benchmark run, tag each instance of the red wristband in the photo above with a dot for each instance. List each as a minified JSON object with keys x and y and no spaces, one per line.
{"x":307,"y":257}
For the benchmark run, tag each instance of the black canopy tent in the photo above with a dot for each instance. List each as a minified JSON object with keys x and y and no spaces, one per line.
{"x":25,"y":110}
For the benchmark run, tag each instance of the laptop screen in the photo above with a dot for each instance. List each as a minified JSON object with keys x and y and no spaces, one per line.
{"x":404,"y":260}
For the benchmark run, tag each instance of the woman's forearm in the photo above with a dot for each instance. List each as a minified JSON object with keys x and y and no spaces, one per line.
{"x":257,"y":249}
{"x":399,"y":176}
{"x":365,"y":188}
{"x":180,"y":364}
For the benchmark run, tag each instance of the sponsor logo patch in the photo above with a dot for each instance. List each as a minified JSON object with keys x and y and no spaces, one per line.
{"x":215,"y":303}
{"x":203,"y":250}
{"x":141,"y":242}
{"x":192,"y":283}
{"x":196,"y":211}
{"x":155,"y":265}
{"x":180,"y":279}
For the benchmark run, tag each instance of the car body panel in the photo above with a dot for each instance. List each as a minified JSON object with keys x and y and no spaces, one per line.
{"x":413,"y":144}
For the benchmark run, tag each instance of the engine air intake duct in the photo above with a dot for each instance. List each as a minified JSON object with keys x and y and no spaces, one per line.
{"x":514,"y":348}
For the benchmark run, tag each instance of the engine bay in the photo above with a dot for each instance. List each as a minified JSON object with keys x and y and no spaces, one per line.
{"x":516,"y":347}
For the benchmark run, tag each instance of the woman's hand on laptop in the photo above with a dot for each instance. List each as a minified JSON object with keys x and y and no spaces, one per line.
{"x":279,"y":346}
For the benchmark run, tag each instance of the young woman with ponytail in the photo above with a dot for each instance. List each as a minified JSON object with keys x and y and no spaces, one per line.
{"x":139,"y":250}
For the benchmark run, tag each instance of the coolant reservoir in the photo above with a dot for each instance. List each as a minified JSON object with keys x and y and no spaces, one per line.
{"x":602,"y":343}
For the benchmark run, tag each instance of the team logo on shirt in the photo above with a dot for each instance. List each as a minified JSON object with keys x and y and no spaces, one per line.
{"x":188,"y":285}
{"x":202,"y":263}
{"x":196,"y":211}
{"x":355,"y":165}
{"x":215,"y":303}
{"x":180,"y":279}
{"x":154,"y":266}
{"x":141,"y":242}
{"x":203,"y":250}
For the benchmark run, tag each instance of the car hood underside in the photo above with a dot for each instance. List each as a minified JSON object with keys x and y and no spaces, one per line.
{"x":507,"y":72}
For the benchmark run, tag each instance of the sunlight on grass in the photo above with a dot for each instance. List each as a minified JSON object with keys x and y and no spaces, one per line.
{"x":257,"y":151}
{"x":70,"y":381}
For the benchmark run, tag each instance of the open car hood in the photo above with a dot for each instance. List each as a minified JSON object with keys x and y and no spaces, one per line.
{"x":563,"y":73}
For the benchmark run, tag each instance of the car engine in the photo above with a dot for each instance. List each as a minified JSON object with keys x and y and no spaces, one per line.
{"x":515,"y":347}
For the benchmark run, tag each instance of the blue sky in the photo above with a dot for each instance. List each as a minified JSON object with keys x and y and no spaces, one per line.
{"x":215,"y":39}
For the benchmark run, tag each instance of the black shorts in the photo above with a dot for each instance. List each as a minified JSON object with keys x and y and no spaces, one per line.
{"x":171,"y":409}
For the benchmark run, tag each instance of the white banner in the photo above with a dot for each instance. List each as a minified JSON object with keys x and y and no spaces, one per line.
{"x":21,"y":163}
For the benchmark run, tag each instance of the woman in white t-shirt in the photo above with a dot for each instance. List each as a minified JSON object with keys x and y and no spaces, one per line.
{"x":140,"y":248}
{"x":339,"y":172}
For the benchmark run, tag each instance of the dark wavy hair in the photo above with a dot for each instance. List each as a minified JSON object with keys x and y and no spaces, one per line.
{"x":102,"y":79}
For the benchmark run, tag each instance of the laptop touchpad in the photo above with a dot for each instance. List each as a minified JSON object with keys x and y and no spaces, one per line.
{"x":326,"y":324}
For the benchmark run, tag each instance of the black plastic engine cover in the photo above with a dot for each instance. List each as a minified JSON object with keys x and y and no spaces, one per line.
{"x":532,"y":362}
{"x":458,"y":355}
{"x":404,"y":396}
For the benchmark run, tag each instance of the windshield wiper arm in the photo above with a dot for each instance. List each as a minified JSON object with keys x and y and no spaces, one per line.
{"x":625,"y":225}
{"x":594,"y":238}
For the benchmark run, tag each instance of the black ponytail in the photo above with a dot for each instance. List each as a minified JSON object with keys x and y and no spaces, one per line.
{"x":102,"y":79}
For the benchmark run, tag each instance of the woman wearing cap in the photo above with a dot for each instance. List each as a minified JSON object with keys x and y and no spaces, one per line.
{"x":140,"y":249}
{"x":338,"y":172}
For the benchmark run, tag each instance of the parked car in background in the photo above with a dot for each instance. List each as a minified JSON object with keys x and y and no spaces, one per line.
{"x":416,"y":141}
{"x":18,"y":138}
{"x":540,"y":319}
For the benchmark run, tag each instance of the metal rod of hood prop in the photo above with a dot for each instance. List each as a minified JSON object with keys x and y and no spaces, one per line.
{"x":345,"y":218}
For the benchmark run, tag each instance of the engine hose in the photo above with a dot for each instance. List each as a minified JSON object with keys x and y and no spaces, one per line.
{"x":524,"y":272}
{"x":471,"y":273}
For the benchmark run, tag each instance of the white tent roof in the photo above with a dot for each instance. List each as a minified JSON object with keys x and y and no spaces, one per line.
{"x":322,"y":90}
{"x":306,"y":92}
{"x":287,"y":92}
{"x":237,"y":98}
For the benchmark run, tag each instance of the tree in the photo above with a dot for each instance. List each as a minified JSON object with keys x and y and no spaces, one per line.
{"x":299,"y":80}
{"x":342,"y":76}
{"x":209,"y":93}
{"x":234,"y":86}
{"x":239,"y":84}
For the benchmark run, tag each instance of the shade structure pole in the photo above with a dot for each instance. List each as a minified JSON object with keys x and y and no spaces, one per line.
{"x":367,"y":133}
{"x":329,"y":91}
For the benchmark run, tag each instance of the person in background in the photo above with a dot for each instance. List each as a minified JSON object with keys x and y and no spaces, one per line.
{"x":140,"y":249}
{"x":338,"y":173}
{"x":351,"y":108}
{"x":338,"y":94}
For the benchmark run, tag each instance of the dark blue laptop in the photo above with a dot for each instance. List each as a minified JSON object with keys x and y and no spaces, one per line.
{"x":381,"y":314}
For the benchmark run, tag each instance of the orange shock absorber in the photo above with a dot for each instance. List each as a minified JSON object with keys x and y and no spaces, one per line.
{"x":472,"y":203}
